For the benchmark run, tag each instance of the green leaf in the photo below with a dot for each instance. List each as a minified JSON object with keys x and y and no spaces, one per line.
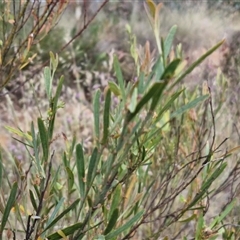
{"x":10,"y":203}
{"x":44,"y":138}
{"x":54,"y":61}
{"x":55,"y":211}
{"x":1,"y":169}
{"x":119,"y":76}
{"x":141,"y":84}
{"x":19,"y":133}
{"x":158,"y":69}
{"x":36,"y":152}
{"x":70,"y":178}
{"x":67,"y":231}
{"x":133,"y":102}
{"x":33,"y":200}
{"x":158,"y":95}
{"x":53,"y":222}
{"x":48,"y":82}
{"x":124,"y":227}
{"x":92,"y":167}
{"x":213,"y":177}
{"x":151,"y":6}
{"x":54,"y":105}
{"x":223,"y":214}
{"x":145,"y":99}
{"x":196,"y":63}
{"x":170,"y":69}
{"x":115,"y":201}
{"x":112,"y":222}
{"x":99,"y":237}
{"x":199,"y":227}
{"x":169,"y":40}
{"x":96,"y":106}
{"x":114,"y":88}
{"x":189,"y":105}
{"x":206,"y":185}
{"x":168,"y":104}
{"x":106,"y":117}
{"x":80,"y":169}
{"x":189,"y":219}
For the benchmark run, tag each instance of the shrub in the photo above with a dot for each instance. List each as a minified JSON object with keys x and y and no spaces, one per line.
{"x":152,"y":168}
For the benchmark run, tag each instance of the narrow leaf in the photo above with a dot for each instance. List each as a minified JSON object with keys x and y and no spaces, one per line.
{"x":168,"y":104}
{"x":10,"y":202}
{"x":44,"y":138}
{"x":48,"y":82}
{"x":199,"y":227}
{"x":189,"y":105}
{"x":67,"y":231}
{"x":70,"y":178}
{"x":196,"y":63}
{"x":54,"y":61}
{"x":112,"y":222}
{"x":115,"y":201}
{"x":106,"y":117}
{"x":169,"y":40}
{"x":152,"y":7}
{"x":1,"y":169}
{"x":171,"y":68}
{"x":114,"y":88}
{"x":226,"y":211}
{"x":96,"y":106}
{"x":33,"y":200}
{"x":80,"y":169}
{"x":92,"y":167}
{"x":145,"y":99}
{"x":157,"y":95}
{"x":133,"y":102}
{"x":124,"y":227}
{"x":19,"y":133}
{"x":71,"y":207}
{"x":119,"y":76}
{"x":54,"y":105}
{"x":55,"y":211}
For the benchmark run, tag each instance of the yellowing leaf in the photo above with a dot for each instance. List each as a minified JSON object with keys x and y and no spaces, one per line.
{"x":130,"y":189}
{"x":61,"y":233}
{"x":19,"y":133}
{"x":151,"y":7}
